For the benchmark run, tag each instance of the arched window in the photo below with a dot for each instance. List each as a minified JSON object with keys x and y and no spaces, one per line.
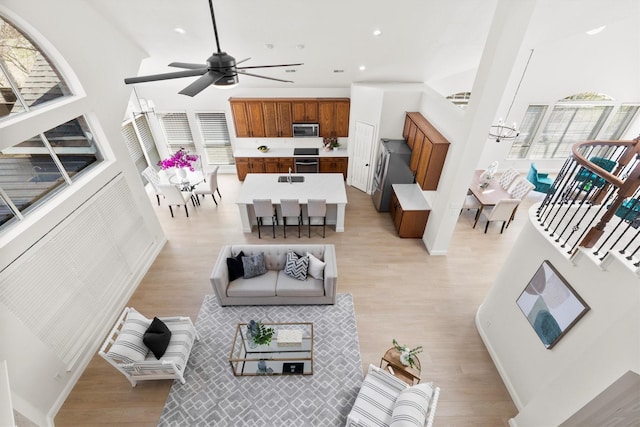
{"x":461,"y":99}
{"x":34,"y":169}
{"x":580,"y":117}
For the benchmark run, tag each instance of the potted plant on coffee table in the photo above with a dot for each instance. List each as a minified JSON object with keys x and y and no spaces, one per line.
{"x":258,"y":333}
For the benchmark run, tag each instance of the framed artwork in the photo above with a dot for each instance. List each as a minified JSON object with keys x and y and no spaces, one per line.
{"x":551,"y":305}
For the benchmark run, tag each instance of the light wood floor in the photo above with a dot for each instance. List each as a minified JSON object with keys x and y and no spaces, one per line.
{"x":399,"y":292}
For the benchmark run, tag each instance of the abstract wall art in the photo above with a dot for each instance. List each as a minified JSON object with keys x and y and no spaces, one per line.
{"x":551,"y":305}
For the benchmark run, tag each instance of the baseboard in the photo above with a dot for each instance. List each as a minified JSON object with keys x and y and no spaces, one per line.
{"x":93,"y":347}
{"x":497,"y":364}
{"x":433,"y":252}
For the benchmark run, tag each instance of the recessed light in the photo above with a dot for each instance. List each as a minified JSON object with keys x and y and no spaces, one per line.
{"x":362,"y":68}
{"x":377,"y":32}
{"x":595,"y":31}
{"x":179,"y":30}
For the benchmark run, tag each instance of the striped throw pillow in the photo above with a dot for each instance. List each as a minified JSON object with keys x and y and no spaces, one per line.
{"x":411,"y":407}
{"x":129,"y":347}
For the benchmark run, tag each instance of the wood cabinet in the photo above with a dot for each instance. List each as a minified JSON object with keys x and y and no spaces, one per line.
{"x":305,"y":111}
{"x":245,"y":165}
{"x":334,"y":165}
{"x":278,"y":164}
{"x":408,"y":223}
{"x":429,"y":150}
{"x":277,"y":119}
{"x":248,"y":119}
{"x":333,"y":118}
{"x":273,"y":117}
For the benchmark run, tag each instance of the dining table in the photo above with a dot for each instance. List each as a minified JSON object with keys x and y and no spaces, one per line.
{"x":488,"y":195}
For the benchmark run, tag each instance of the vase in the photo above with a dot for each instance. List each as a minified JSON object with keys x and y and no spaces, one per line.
{"x":250,"y":341}
{"x":181,"y":173}
{"x":404,"y":358}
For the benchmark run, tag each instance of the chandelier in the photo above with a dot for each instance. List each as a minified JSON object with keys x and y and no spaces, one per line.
{"x":501,"y":130}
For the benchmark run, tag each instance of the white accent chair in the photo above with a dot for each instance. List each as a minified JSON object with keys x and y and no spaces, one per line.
{"x":383,"y":399}
{"x":317,"y":208}
{"x":154,"y":179}
{"x":507,"y":178}
{"x":175,"y":197}
{"x":502,"y":211}
{"x":125,"y":350}
{"x":264,"y":208}
{"x":290,"y":208}
{"x":520,"y":189}
{"x":210,"y":186}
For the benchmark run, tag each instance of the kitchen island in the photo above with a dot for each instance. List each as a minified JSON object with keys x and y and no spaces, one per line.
{"x":328,"y":186}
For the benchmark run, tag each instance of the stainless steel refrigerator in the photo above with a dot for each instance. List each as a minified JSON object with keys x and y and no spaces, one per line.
{"x":392,"y":168}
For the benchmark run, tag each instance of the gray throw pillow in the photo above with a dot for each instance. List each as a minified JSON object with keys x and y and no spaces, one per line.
{"x":254,"y":265}
{"x":296,"y":266}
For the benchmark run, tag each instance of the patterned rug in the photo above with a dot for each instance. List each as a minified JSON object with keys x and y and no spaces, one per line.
{"x":213,"y":396}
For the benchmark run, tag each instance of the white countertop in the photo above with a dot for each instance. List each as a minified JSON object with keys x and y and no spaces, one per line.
{"x":410,"y":197}
{"x":286,"y":152}
{"x":328,"y":186}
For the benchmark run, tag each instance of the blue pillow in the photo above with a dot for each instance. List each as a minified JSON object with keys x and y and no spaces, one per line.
{"x":254,"y":265}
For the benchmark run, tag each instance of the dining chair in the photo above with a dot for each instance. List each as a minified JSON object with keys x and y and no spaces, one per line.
{"x":502,"y":211}
{"x":519,"y":191}
{"x":317,"y":208}
{"x":197,"y":175}
{"x":471,"y":202}
{"x":264,"y":208}
{"x":152,"y":176}
{"x":290,"y":208}
{"x":209,"y":186}
{"x":175,"y":197}
{"x":508,"y":177}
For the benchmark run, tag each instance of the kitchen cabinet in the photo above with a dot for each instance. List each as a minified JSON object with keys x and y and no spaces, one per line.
{"x":273,"y":117}
{"x":248,"y":119}
{"x":277,"y":119}
{"x":333,"y":118}
{"x":429,"y":150}
{"x":278,"y":164}
{"x":408,"y":223}
{"x":334,"y":165}
{"x":245,"y":165}
{"x":305,"y":111}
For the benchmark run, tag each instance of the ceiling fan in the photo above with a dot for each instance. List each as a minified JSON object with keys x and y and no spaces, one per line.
{"x":220,"y":70}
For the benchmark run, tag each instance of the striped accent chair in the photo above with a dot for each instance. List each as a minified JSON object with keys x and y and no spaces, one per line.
{"x":125,"y":350}
{"x":384,"y":400}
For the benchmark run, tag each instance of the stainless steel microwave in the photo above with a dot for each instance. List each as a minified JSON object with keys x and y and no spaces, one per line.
{"x":306,"y":130}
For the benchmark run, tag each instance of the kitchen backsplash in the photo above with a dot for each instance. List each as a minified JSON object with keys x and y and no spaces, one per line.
{"x":246,"y":143}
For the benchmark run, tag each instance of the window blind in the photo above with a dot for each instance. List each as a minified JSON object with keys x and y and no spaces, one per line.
{"x":133,"y":146}
{"x":215,"y":136}
{"x":148,"y":142}
{"x":177,"y":131}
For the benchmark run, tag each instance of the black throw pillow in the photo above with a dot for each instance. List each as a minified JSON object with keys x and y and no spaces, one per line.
{"x":157,"y":337}
{"x":235,"y":267}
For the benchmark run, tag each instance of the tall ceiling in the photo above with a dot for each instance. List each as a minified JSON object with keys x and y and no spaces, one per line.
{"x":421,"y":40}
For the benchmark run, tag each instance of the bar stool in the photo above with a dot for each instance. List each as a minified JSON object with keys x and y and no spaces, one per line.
{"x":290,"y":208}
{"x":263,"y":208}
{"x":317,"y":208}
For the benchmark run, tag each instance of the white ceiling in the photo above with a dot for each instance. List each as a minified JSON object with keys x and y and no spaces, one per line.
{"x":421,"y":41}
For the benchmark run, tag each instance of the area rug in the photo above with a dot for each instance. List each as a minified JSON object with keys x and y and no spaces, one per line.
{"x":213,"y":396}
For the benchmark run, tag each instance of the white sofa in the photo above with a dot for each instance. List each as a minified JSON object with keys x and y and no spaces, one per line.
{"x":275,"y":287}
{"x":384,"y":400}
{"x":124,"y":348}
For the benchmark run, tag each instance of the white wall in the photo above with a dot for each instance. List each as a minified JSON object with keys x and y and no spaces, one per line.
{"x":94,"y":57}
{"x":548,"y":386}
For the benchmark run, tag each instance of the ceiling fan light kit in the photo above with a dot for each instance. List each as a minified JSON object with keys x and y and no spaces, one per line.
{"x":221,"y":70}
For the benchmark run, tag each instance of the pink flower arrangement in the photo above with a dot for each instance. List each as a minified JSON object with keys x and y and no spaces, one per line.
{"x":181,"y":159}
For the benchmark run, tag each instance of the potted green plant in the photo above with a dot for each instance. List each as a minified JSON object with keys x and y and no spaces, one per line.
{"x":407,"y":354}
{"x":258,"y":333}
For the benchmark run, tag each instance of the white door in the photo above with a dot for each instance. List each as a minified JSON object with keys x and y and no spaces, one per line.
{"x":362,"y":156}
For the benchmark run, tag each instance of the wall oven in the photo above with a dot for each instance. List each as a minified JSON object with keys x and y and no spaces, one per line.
{"x":306,"y":130}
{"x":307,"y":165}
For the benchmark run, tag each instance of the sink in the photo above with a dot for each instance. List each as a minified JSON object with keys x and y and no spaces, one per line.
{"x":285,"y":178}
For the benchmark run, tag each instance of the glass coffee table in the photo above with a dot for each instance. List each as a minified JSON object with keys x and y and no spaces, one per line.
{"x":293,"y":356}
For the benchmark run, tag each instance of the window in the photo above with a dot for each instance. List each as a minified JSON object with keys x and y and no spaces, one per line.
{"x":177,"y":131}
{"x":27,"y":78}
{"x":133,"y":146}
{"x":215,"y":136}
{"x":140,"y":143}
{"x":34,"y":170}
{"x":461,"y":99}
{"x":575,"y":118}
{"x":532,"y":119}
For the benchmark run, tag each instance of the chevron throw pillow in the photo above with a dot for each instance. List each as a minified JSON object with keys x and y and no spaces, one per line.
{"x":296,"y":266}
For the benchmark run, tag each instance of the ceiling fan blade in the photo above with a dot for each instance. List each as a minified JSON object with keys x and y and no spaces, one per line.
{"x":201,"y":84}
{"x":263,"y":77}
{"x":166,"y":76}
{"x":270,"y":66}
{"x":244,"y":60}
{"x":187,"y":65}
